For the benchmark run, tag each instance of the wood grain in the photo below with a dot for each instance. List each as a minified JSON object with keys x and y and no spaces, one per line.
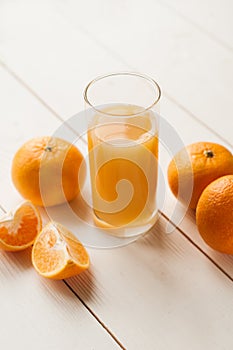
{"x":192,"y":68}
{"x":159,"y":292}
{"x":35,"y":313}
{"x":72,"y":35}
{"x":213,"y":19}
{"x":165,"y":290}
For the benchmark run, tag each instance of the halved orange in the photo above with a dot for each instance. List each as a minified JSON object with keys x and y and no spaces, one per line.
{"x":57,"y":253}
{"x":18,"y":229}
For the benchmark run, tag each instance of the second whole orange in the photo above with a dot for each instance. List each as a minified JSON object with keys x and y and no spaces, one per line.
{"x":214,"y":214}
{"x":195,"y":167}
{"x":46,"y":171}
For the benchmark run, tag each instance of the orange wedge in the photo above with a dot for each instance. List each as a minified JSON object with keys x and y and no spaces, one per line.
{"x":57,"y":253}
{"x":18,"y":229}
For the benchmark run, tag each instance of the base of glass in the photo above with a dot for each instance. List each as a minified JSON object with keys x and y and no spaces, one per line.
{"x":129,"y":230}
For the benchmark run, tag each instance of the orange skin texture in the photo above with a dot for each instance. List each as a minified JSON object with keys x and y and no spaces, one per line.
{"x":45,"y":170}
{"x":195,"y":167}
{"x":214,"y":215}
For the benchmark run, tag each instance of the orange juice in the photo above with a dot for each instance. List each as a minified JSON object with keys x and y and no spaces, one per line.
{"x":123,"y":153}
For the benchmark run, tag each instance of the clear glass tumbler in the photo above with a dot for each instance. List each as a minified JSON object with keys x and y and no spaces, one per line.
{"x":123,"y":151}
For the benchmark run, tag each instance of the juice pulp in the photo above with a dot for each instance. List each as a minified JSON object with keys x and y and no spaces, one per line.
{"x":123,"y":155}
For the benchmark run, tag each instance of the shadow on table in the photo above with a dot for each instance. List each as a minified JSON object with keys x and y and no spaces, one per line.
{"x":20,"y":260}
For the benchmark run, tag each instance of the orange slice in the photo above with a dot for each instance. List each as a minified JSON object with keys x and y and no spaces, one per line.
{"x":18,"y":229}
{"x":57,"y":253}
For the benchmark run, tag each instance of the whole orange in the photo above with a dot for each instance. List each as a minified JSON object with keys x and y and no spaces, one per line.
{"x":214,"y":214}
{"x":45,"y":170}
{"x":195,"y":167}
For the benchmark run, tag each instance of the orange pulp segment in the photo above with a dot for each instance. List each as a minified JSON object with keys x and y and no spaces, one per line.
{"x":57,"y":253}
{"x":18,"y":229}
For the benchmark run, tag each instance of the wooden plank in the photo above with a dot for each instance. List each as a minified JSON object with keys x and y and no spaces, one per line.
{"x":213,"y":18}
{"x":160,"y":293}
{"x":191,"y":67}
{"x":63,"y":96}
{"x":190,"y":130}
{"x":35,"y":313}
{"x":23,"y":117}
{"x":63,"y":58}
{"x":161,"y":286}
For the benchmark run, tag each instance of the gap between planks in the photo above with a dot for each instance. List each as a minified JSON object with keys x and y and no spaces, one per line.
{"x":57,"y":115}
{"x":95,"y":316}
{"x":101,"y":323}
{"x":197,"y":246}
{"x":114,"y":54}
{"x":35,"y":95}
{"x":46,"y":105}
{"x":196,"y":25}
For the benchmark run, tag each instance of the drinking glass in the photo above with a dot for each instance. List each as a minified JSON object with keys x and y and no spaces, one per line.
{"x":122,"y":110}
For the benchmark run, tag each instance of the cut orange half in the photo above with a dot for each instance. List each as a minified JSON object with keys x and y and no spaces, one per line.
{"x":57,"y":253}
{"x":18,"y":229}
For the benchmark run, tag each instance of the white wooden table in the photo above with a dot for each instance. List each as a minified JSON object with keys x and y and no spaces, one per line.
{"x":162,"y":291}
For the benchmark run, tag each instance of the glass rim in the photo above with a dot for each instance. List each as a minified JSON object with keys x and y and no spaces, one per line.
{"x":143,"y":76}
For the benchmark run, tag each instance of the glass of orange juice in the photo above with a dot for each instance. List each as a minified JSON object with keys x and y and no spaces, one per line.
{"x":122,"y":109}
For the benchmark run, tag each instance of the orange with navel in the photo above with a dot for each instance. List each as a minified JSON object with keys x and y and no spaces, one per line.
{"x":195,"y":167}
{"x":214,"y":214}
{"x":46,"y":171}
